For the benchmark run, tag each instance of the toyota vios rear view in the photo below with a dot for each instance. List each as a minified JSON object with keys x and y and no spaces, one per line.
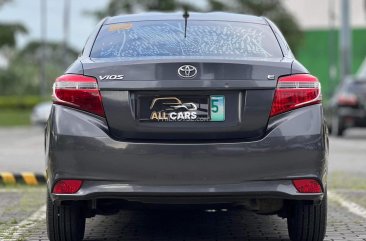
{"x":206,"y":110}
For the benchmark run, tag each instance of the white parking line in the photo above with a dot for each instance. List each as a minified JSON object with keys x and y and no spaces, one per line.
{"x":350,"y":206}
{"x":18,"y":231}
{"x":5,"y":190}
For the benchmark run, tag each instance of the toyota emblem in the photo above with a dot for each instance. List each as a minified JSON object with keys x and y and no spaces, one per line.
{"x":187,"y":71}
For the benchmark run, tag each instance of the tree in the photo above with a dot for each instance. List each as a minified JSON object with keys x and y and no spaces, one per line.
{"x":8,"y":34}
{"x":3,"y":1}
{"x":116,"y":7}
{"x":272,"y":9}
{"x":54,"y":52}
{"x":22,"y":75}
{"x":8,"y":31}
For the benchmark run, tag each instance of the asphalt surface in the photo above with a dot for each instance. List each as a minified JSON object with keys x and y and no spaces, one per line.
{"x":348,"y":154}
{"x":21,"y":150}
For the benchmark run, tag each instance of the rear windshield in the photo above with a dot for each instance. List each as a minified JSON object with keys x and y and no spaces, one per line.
{"x":148,"y":39}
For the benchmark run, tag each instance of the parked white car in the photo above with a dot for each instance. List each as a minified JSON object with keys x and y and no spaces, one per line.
{"x":40,"y":113}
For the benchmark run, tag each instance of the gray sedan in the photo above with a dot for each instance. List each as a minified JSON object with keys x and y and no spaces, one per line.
{"x":194,"y":110}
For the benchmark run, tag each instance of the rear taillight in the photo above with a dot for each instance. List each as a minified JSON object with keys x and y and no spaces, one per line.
{"x":295,"y":91}
{"x":307,"y":186}
{"x":67,"y":186}
{"x":78,"y":91}
{"x":347,"y":100}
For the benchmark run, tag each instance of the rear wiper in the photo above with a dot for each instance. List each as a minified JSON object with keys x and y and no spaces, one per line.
{"x":185,"y":16}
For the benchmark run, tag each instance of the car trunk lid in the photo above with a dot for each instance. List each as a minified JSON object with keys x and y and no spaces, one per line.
{"x":244,"y":87}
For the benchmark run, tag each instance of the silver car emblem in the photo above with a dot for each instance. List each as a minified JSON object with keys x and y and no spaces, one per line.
{"x":187,"y":71}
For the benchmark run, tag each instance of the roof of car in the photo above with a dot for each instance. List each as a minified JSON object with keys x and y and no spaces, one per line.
{"x":213,"y":16}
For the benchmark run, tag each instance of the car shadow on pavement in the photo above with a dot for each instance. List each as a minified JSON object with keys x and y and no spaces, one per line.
{"x":189,"y":225}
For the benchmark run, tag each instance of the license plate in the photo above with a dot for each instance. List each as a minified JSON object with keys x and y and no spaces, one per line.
{"x":181,"y":108}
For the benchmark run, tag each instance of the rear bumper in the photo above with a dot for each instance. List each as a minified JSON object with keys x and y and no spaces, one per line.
{"x":78,"y":147}
{"x":352,"y":117}
{"x":189,"y":194}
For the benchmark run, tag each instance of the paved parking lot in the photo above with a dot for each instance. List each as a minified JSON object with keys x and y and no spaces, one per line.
{"x":21,"y":149}
{"x":199,"y":225}
{"x":346,"y":219}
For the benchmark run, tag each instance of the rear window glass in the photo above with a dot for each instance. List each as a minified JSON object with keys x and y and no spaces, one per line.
{"x":149,"y":39}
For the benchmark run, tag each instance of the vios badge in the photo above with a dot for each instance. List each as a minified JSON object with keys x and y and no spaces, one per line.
{"x":187,"y":71}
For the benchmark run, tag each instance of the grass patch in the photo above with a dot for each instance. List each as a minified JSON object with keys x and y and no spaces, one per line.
{"x":13,"y":221}
{"x":15,"y":117}
{"x":20,"y":187}
{"x":339,"y":180}
{"x":26,"y":200}
{"x":356,"y":196}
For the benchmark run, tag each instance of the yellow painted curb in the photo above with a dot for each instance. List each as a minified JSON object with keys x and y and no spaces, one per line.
{"x":27,"y":178}
{"x":8,"y":178}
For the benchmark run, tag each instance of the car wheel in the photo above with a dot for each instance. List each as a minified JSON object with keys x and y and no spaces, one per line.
{"x":64,"y":222}
{"x":337,"y":126}
{"x":307,"y":221}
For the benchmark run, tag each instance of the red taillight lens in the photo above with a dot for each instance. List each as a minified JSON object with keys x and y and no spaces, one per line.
{"x":79,"y":92}
{"x":307,"y":186}
{"x":347,"y":100}
{"x":295,"y":91}
{"x":67,"y":186}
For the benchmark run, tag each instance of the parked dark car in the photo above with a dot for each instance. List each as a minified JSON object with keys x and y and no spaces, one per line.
{"x":347,"y":107}
{"x":207,"y":111}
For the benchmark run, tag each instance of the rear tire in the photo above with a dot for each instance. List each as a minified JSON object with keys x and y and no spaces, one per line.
{"x":65,"y":222}
{"x":307,"y":221}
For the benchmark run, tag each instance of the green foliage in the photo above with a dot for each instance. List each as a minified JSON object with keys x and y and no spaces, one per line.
{"x":20,"y":102}
{"x":116,"y":7}
{"x":15,"y":117}
{"x":8,"y":32}
{"x":54,"y":51}
{"x":22,"y":77}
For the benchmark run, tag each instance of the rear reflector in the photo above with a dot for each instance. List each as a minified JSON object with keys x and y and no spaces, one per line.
{"x":78,"y":91}
{"x":295,"y":91}
{"x":67,"y":186}
{"x":307,"y":186}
